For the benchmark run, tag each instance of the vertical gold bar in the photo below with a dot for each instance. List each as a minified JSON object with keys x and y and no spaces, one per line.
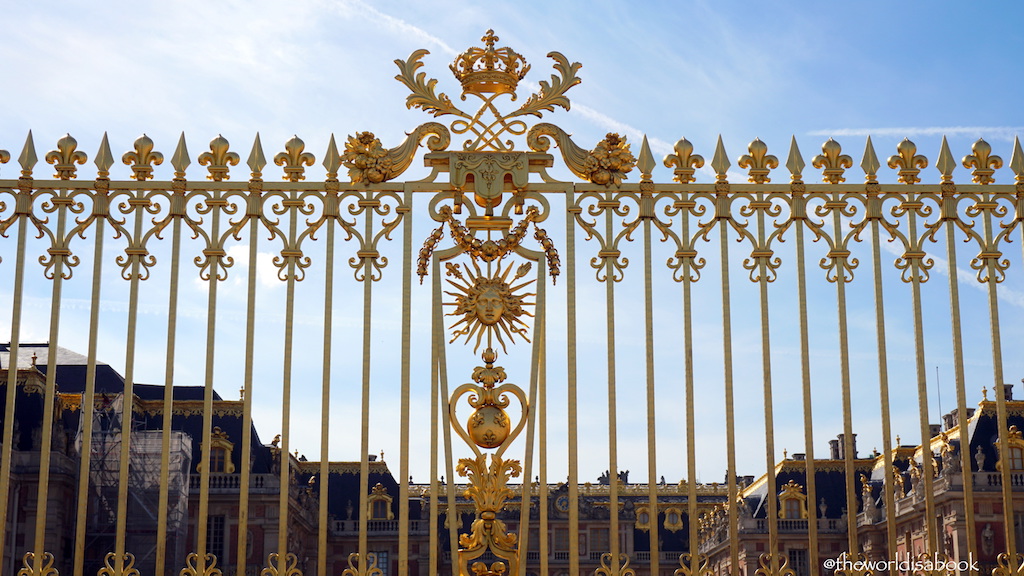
{"x":730,"y":423}
{"x":88,"y":406}
{"x":242,"y":552}
{"x":805,"y":373}
{"x":652,"y":463}
{"x":531,"y":418}
{"x":542,"y":415}
{"x":839,"y":261}
{"x":403,"y":464}
{"x":684,"y":205}
{"x":991,"y":280}
{"x":325,"y":401}
{"x":916,"y":278}
{"x":25,"y":198}
{"x":168,"y":403}
{"x":364,"y":438}
{"x":214,"y":202}
{"x":286,"y":394}
{"x":453,"y":516}
{"x":613,"y":462}
{"x":61,"y":200}
{"x":570,"y":355}
{"x":766,"y":374}
{"x":436,"y":340}
{"x":873,"y":203}
{"x":958,"y":366}
{"x":128,"y":407}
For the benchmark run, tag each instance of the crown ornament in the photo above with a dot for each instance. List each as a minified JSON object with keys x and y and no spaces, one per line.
{"x":490,"y":70}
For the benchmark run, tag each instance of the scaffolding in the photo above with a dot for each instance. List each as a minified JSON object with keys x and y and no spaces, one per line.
{"x":144,"y":480}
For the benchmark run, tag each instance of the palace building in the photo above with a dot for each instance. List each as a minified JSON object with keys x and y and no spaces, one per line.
{"x":829,"y":514}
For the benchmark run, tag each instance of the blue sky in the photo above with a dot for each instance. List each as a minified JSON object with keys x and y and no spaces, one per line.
{"x":667,"y":70}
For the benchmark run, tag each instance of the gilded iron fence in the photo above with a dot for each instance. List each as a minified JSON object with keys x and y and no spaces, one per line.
{"x":474,"y":240}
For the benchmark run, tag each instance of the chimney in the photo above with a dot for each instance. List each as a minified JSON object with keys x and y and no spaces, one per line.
{"x":1008,"y":392}
{"x":934,"y":430}
{"x":838,"y":447}
{"x":800,"y":456}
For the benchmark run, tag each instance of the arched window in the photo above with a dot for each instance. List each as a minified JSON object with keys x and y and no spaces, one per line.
{"x":1016,"y":450}
{"x":379,"y":504}
{"x":792,"y":510}
{"x":220,"y":453}
{"x":793,"y":501}
{"x":1016,"y":458}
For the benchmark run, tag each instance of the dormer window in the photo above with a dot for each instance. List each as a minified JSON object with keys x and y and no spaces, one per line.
{"x":220,"y":453}
{"x":1016,"y":450}
{"x":793,"y":501}
{"x":379,"y":504}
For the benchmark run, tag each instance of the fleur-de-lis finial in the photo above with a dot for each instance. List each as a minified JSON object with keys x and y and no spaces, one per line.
{"x":218,"y":159}
{"x":908,"y":161}
{"x":833,"y":161}
{"x":294,"y":159}
{"x":758,"y":161}
{"x":489,"y":39}
{"x":684,"y":161}
{"x":65,"y":157}
{"x":142,"y":159}
{"x":983,"y":161}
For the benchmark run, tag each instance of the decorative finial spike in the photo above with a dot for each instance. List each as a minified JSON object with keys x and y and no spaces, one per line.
{"x":257,"y":161}
{"x":720,"y":162}
{"x":332,"y":160}
{"x":646,"y":161}
{"x":28,"y":158}
{"x":945,"y":163}
{"x":180,"y":160}
{"x":1017,"y":161}
{"x":104,"y":158}
{"x":795,"y":162}
{"x":869,"y":164}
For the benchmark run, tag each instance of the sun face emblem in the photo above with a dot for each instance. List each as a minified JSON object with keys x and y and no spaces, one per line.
{"x":489,"y":304}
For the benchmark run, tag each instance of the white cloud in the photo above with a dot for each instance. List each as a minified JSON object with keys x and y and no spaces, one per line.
{"x":993,"y":132}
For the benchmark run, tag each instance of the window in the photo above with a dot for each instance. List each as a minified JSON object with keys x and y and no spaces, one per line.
{"x":382,"y":562}
{"x":673,"y":519}
{"x":220,"y":453}
{"x":378,"y":506}
{"x":599,"y":540}
{"x":561,"y":543}
{"x":1016,"y":458}
{"x":643,"y":518}
{"x":792,"y":508}
{"x":798,"y":561}
{"x":380,"y":510}
{"x":1015,"y":453}
{"x":215,"y":538}
{"x":217,"y":460}
{"x":793,"y":501}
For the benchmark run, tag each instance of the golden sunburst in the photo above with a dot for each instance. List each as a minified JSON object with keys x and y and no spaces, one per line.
{"x":488,"y":302}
